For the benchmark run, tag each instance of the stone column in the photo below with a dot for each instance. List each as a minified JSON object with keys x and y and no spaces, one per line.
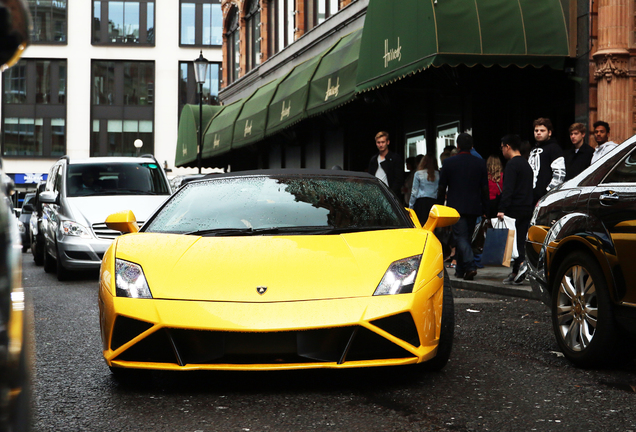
{"x":614,"y":68}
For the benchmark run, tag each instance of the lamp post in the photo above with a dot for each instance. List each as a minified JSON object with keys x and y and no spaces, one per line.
{"x":138,"y":145}
{"x":200,"y":74}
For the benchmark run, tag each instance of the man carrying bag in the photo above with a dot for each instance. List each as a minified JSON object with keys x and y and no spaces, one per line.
{"x":516,"y":199}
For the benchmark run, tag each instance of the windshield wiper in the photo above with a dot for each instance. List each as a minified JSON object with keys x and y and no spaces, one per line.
{"x":232,"y":231}
{"x":353,"y":229}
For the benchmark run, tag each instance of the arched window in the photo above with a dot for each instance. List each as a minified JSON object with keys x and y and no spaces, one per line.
{"x":233,"y":46}
{"x":252,"y":34}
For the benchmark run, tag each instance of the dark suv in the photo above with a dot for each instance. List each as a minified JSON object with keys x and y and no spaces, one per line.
{"x":581,"y":253}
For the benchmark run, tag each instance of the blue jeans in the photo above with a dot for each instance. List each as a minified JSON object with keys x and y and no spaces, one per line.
{"x":463,"y":232}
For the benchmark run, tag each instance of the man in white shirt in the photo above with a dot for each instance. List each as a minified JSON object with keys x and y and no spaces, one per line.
{"x":601,"y":135}
{"x":386,"y":165}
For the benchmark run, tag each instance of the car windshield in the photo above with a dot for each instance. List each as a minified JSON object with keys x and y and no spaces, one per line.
{"x":285,"y":204}
{"x":115,"y":178}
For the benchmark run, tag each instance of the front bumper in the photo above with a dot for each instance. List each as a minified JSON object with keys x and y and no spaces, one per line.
{"x":341,"y":333}
{"x":77,"y":253}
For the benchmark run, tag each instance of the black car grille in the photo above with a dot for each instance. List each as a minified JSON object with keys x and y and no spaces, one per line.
{"x":338,"y":344}
{"x":103,"y":232}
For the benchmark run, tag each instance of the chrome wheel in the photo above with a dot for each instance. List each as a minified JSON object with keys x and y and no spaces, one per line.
{"x":577,"y":308}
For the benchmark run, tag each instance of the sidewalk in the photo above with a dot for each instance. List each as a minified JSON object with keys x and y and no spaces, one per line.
{"x":490,"y":279}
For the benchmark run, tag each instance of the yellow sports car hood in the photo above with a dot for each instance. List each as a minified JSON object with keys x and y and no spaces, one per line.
{"x":286,"y":268}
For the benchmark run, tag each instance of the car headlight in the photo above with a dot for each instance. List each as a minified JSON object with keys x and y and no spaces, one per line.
{"x":71,"y":228}
{"x":130,"y":280}
{"x":400,"y":277}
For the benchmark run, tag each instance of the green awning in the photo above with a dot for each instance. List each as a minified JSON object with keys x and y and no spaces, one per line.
{"x":290,"y":100}
{"x":334,"y":82}
{"x":407,"y":36}
{"x":250,"y":124}
{"x":187,"y":138}
{"x":218,"y":137}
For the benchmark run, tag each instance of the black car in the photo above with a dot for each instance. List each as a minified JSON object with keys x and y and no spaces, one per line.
{"x":25,"y":218}
{"x":581,"y":250}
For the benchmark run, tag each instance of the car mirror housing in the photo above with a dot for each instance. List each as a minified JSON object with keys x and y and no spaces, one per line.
{"x":48,"y":197}
{"x":441,"y":216}
{"x":27,"y":208}
{"x":123,"y":221}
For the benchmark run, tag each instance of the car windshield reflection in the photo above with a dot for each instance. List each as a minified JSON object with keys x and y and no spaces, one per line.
{"x":271,"y":205}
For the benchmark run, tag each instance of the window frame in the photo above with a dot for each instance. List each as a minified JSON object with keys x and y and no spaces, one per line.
{"x":102,"y":115}
{"x":198,"y":23}
{"x":103,"y":31}
{"x":33,"y":7}
{"x":42,"y":116}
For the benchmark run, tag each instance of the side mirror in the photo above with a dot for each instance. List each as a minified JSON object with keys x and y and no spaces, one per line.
{"x":14,"y":34}
{"x":27,"y":208}
{"x":123,"y":221}
{"x":441,"y":216}
{"x":48,"y":197}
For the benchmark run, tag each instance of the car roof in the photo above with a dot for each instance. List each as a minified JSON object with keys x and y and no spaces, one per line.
{"x":111,"y":159}
{"x":293,"y":172}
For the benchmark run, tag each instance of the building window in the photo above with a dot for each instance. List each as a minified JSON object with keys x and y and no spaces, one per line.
{"x":122,"y":107}
{"x":233,"y":46}
{"x":252,"y":35}
{"x":281,"y":23}
{"x":188,"y":87}
{"x":123,"y":22}
{"x":49,"y":21}
{"x":201,"y":23}
{"x":34,"y":108}
{"x":316,"y":11}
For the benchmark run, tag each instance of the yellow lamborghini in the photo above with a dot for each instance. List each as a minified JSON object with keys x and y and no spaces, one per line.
{"x":285,"y":269}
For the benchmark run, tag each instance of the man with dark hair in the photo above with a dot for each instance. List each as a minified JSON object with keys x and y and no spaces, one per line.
{"x":516,"y":198}
{"x":546,"y":159}
{"x":579,"y":156}
{"x":466,"y":178}
{"x":386,"y":165}
{"x":601,"y":135}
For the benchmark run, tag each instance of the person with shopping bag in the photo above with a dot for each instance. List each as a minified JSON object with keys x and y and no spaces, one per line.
{"x":516,"y":199}
{"x":463,"y":183}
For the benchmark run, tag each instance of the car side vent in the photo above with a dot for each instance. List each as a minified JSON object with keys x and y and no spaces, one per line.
{"x":126,"y":329}
{"x":401,"y":326}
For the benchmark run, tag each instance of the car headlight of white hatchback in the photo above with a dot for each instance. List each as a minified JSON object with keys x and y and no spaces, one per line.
{"x":130,"y":280}
{"x":400,"y":277}
{"x":71,"y":228}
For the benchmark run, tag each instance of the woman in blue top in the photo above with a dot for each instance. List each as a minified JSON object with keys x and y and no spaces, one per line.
{"x":424,"y":190}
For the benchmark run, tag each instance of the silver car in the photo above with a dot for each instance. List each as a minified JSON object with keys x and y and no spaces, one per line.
{"x":79,"y":194}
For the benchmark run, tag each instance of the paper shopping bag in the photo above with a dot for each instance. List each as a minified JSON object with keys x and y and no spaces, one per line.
{"x":510,"y":243}
{"x":498,"y":247}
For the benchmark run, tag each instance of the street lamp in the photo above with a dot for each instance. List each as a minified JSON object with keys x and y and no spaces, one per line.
{"x":200,"y":74}
{"x":138,"y":145}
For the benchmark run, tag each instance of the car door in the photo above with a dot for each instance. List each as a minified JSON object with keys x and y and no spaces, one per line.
{"x":613,"y":202}
{"x":50,"y":217}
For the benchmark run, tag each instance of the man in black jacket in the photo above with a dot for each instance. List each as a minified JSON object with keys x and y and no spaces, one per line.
{"x":516,"y":197}
{"x":546,"y":159}
{"x":466,"y":178}
{"x":579,"y":156}
{"x":386,"y":165}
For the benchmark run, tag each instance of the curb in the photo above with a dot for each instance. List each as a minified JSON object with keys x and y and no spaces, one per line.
{"x":523,"y":291}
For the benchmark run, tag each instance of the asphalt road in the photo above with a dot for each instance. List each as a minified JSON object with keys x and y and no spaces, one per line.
{"x":505,"y":374}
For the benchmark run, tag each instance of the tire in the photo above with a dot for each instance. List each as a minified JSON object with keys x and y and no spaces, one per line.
{"x":582,"y":316}
{"x":48,"y":261}
{"x":63,"y":274}
{"x":38,"y":253}
{"x":447,"y":331}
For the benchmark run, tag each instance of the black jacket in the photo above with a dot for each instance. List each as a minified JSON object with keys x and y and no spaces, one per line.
{"x":548,"y":166}
{"x":516,"y":197}
{"x":466,"y":178}
{"x":393,"y":166}
{"x":576,"y":162}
